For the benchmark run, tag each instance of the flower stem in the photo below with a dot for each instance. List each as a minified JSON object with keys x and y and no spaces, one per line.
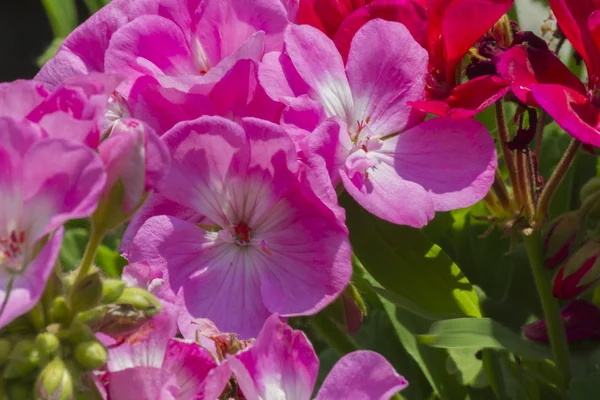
{"x":509,"y":159}
{"x":89,"y":256}
{"x":340,"y":341}
{"x":555,"y":179}
{"x":556,"y":332}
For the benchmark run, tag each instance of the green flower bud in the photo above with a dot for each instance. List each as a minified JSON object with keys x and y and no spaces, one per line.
{"x":564,"y":234}
{"x":590,"y":198}
{"x":590,"y":189}
{"x":86,"y":292}
{"x":112,"y":289}
{"x":37,"y":317}
{"x":19,"y":390}
{"x":5,"y":349}
{"x":140,"y":299}
{"x":92,"y":317}
{"x":47,"y":343}
{"x":23,"y":360}
{"x":54,"y":382}
{"x":78,"y":333}
{"x":59,"y":310}
{"x":91,"y":355}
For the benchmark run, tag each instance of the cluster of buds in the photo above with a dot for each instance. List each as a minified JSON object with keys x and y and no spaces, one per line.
{"x":50,"y":352}
{"x":568,"y":245}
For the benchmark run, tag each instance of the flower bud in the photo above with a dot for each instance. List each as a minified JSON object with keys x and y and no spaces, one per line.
{"x":581,"y":319}
{"x":93,"y":316}
{"x":354,"y":309}
{"x":563,"y":234}
{"x":136,"y":160}
{"x":47,"y":343}
{"x":23,"y":360}
{"x":87,"y":292}
{"x":140,"y":299}
{"x":112,"y":290}
{"x":580,"y":272}
{"x":54,"y":382}
{"x":90,"y":355}
{"x":78,"y":333}
{"x":590,"y":190}
{"x":59,"y":310}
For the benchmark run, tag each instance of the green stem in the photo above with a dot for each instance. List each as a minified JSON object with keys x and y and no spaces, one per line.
{"x":556,"y":332}
{"x":89,"y":256}
{"x":504,"y":136}
{"x":341,"y":342}
{"x":555,"y":179}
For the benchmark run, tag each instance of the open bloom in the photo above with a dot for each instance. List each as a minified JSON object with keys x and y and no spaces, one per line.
{"x":575,"y":108}
{"x":151,"y":364}
{"x":268,"y":244}
{"x":281,"y":364}
{"x":38,"y":193}
{"x":395,"y":165}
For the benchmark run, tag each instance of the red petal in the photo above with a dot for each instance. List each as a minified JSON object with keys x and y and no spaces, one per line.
{"x":408,"y":12}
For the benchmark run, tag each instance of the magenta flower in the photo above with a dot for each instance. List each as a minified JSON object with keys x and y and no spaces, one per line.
{"x":395,"y":165}
{"x":72,"y":111}
{"x":135,"y":158}
{"x":268,"y":244}
{"x":581,"y":320}
{"x":191,"y":39}
{"x":281,"y":364}
{"x":152,"y":365}
{"x":43,"y":183}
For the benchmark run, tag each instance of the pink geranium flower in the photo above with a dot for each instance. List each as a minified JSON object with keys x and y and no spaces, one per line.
{"x":151,"y":364}
{"x":281,"y":364}
{"x":395,"y":165}
{"x":43,"y":183}
{"x":268,"y":244}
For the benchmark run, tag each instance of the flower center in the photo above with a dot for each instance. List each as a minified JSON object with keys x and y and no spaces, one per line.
{"x":241,"y":234}
{"x":11,"y":254}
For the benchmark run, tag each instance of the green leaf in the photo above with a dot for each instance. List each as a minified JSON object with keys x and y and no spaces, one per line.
{"x":72,"y":248}
{"x":410,"y":306}
{"x":95,"y":5}
{"x":110,"y":261}
{"x":405,"y":262}
{"x":62,"y":15}
{"x":50,"y":51}
{"x":586,"y":388}
{"x":480,"y":333}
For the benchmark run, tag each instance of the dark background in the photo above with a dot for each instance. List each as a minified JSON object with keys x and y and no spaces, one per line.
{"x":24,"y":35}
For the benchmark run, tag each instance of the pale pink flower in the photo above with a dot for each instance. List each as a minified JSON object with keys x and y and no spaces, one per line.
{"x":151,"y":364}
{"x":281,"y":364}
{"x":43,"y":184}
{"x":268,"y":244}
{"x":395,"y":165}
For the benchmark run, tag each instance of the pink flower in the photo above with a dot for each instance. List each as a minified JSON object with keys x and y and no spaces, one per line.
{"x":136,"y":159}
{"x":152,"y":365}
{"x":395,"y":165}
{"x":281,"y":363}
{"x":43,"y":184}
{"x":268,"y":244}
{"x":72,"y":111}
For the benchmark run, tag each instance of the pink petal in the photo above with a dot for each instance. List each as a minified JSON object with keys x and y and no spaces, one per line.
{"x":571,"y":111}
{"x":384,"y":55}
{"x":18,"y":98}
{"x":149,"y":45}
{"x":192,"y":365}
{"x":279,"y":77}
{"x":57,"y":189}
{"x":361,"y":375}
{"x":281,"y":363}
{"x":203,"y":150}
{"x":143,"y":383}
{"x":408,"y":12}
{"x":162,"y":108}
{"x":320,"y":65}
{"x":452,"y":159}
{"x":27,"y":287}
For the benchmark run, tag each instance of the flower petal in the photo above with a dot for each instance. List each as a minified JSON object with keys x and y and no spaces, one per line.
{"x":281,"y":363}
{"x":452,"y":159}
{"x":320,"y":65}
{"x":386,"y":69}
{"x":361,"y":375}
{"x":571,"y":111}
